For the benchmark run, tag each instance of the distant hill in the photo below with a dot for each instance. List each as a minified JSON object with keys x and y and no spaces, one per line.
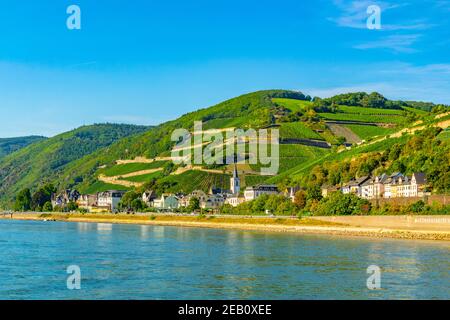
{"x":46,"y":159}
{"x":10,"y":145}
{"x":97,"y":158}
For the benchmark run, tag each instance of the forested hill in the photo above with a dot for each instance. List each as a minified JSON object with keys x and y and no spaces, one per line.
{"x":312,"y":130}
{"x":44,"y":160}
{"x":10,"y":145}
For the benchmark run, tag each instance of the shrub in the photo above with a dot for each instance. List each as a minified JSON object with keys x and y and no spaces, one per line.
{"x":47,"y":207}
{"x":342,"y":204}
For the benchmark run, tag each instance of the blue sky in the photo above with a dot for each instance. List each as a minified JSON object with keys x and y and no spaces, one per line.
{"x":146,"y":62}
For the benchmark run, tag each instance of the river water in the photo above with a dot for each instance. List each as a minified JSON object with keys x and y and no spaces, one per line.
{"x":155,"y":262}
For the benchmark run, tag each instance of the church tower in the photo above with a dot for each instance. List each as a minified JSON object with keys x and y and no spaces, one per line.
{"x":235,"y":182}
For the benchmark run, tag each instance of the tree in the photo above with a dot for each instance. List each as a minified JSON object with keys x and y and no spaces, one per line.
{"x":194,"y":204}
{"x":341,"y":140}
{"x":314,"y":193}
{"x":226,"y":209}
{"x":374,"y":100}
{"x":259,"y":204}
{"x":47,"y":207}
{"x":72,"y":206}
{"x":23,"y":200}
{"x":300,"y":198}
{"x":127,"y":199}
{"x":41,"y":196}
{"x":417,"y":207}
{"x":342,"y":204}
{"x":138,"y":205}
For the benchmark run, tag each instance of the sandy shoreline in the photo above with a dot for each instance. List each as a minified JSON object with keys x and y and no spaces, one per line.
{"x":301,"y":226}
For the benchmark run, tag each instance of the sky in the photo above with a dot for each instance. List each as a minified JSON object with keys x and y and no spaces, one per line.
{"x":146,"y":62}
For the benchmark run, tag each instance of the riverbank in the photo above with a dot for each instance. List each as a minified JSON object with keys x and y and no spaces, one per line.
{"x":401,"y":227}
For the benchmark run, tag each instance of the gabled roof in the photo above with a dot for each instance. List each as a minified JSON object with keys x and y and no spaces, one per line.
{"x":420,"y":177}
{"x":150,"y":194}
{"x":358,"y":182}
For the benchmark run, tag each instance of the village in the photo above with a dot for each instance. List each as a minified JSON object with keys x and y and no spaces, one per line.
{"x":384,"y":186}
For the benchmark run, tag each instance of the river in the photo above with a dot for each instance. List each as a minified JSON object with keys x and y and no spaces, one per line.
{"x":155,"y":262}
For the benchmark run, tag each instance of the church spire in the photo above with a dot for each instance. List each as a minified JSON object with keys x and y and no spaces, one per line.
{"x":235,"y":182}
{"x":235,"y":172}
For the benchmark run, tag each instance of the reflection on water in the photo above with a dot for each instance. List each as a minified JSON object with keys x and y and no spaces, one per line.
{"x":104,"y":228}
{"x":83,"y":226}
{"x":156,"y":262}
{"x":144,"y":231}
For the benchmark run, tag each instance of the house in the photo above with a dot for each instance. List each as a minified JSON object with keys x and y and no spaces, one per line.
{"x":391,"y":185}
{"x":373,"y":188}
{"x":234,"y":200}
{"x":327,"y":190}
{"x":166,"y":202}
{"x":109,"y":200}
{"x":401,"y":186}
{"x":87,"y":201}
{"x":354,"y":186}
{"x":148,"y":197}
{"x":418,"y":184}
{"x":215,"y":190}
{"x":396,"y":185}
{"x":184,"y":201}
{"x":62,"y":199}
{"x":214,"y":201}
{"x":251,"y":193}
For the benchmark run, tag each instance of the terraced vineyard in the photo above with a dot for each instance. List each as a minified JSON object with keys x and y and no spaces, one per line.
{"x":145,"y":177}
{"x":367,"y":132}
{"x":370,"y":111}
{"x":298,"y":130}
{"x":122,"y":169}
{"x":292,"y":104}
{"x":364,"y":118}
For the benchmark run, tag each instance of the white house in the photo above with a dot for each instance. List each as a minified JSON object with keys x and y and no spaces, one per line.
{"x":234,"y":200}
{"x":418,"y":184}
{"x":373,"y":188}
{"x":166,"y":202}
{"x":109,"y":200}
{"x":87,"y":201}
{"x":354,"y":186}
{"x":148,"y":197}
{"x":400,"y":186}
{"x":251,"y":193}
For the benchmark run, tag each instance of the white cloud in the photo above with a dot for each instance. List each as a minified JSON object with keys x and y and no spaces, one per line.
{"x":397,"y":81}
{"x":396,"y":43}
{"x":436,"y":69}
{"x":391,"y":90}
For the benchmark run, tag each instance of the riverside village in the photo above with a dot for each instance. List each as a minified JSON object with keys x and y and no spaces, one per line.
{"x":394,"y":186}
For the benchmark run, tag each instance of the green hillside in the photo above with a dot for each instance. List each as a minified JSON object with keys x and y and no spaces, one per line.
{"x":253,"y":110}
{"x":312,"y":131}
{"x":10,"y":145}
{"x":44,"y":161}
